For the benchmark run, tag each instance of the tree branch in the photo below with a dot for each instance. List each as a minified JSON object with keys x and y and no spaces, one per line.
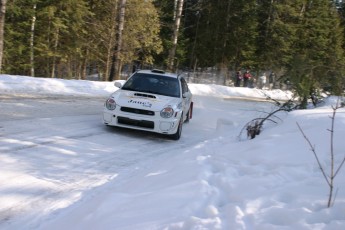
{"x":314,"y":152}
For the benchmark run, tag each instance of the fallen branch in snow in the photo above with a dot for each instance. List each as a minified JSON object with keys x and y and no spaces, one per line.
{"x":254,"y":127}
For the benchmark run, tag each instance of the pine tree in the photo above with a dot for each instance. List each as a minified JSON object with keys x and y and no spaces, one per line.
{"x":318,"y":55}
{"x":101,"y":35}
{"x":16,"y":31}
{"x":59,"y":46}
{"x":276,"y":30}
{"x":226,"y":33}
{"x":141,"y":36}
{"x":166,"y":11}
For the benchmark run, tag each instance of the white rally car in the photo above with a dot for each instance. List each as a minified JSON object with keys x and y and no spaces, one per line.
{"x":150,"y":100}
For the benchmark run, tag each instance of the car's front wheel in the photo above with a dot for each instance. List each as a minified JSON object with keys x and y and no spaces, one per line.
{"x":189,"y":113}
{"x":177,"y":135}
{"x":187,"y":117}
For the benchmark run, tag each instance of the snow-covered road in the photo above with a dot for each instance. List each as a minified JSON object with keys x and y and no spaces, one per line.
{"x":61,"y":168}
{"x":55,"y":149}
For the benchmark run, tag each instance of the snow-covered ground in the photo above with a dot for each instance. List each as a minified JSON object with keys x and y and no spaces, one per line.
{"x":61,"y":168}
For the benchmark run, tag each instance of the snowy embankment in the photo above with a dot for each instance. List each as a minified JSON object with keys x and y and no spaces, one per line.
{"x":11,"y":84}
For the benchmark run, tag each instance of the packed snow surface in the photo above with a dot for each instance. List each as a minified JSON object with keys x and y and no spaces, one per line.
{"x":62,"y":168}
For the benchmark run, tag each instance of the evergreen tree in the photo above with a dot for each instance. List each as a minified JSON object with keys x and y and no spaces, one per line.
{"x":16,"y":42}
{"x":141,"y":36}
{"x":304,"y":39}
{"x":318,"y":56}
{"x":63,"y":37}
{"x":59,"y":37}
{"x":276,"y":30}
{"x":166,"y":11}
{"x":226,"y":33}
{"x":101,"y":35}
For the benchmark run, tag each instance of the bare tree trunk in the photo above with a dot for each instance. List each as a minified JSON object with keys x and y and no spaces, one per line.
{"x":171,"y":60}
{"x":193,"y":59}
{"x":115,"y":68}
{"x":302,"y":10}
{"x":195,"y":66}
{"x":175,"y":7}
{"x":68,"y":67}
{"x":331,"y":184}
{"x":224,"y":64}
{"x":108,"y":63}
{"x":269,"y":19}
{"x":84,"y":66}
{"x":55,"y":51}
{"x":2,"y":24}
{"x":32,"y":37}
{"x":111,"y":42}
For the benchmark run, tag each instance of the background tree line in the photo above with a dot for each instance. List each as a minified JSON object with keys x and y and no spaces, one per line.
{"x":302,"y":40}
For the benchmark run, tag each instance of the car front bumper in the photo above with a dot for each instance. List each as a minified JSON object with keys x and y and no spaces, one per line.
{"x":152,"y":123}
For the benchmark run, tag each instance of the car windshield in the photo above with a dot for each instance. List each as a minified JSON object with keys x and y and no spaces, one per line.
{"x":152,"y":83}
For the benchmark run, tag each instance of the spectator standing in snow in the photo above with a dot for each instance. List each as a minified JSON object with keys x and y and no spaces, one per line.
{"x":246,"y":78}
{"x":262,"y":81}
{"x":238,"y":79}
{"x":272,"y":79}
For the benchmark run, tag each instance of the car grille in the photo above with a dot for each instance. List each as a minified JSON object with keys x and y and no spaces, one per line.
{"x":144,"y":95}
{"x":138,"y":123}
{"x":138,"y":111}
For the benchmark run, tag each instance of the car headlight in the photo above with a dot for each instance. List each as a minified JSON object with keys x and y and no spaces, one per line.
{"x":167,"y":112}
{"x":110,"y":104}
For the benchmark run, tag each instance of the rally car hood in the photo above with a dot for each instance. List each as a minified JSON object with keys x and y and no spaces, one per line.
{"x":146,"y":101}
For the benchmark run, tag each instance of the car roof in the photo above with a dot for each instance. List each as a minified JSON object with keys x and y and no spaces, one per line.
{"x":158,"y":72}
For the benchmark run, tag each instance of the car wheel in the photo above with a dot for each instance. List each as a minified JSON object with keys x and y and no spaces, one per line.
{"x":177,"y":135}
{"x":187,"y":117}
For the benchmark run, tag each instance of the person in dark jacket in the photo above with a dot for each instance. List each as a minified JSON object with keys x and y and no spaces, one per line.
{"x":246,"y":78}
{"x":238,"y":79}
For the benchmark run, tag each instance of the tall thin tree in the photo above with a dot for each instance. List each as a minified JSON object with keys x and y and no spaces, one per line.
{"x":115,"y":68}
{"x":32,"y":38}
{"x":171,"y":60}
{"x":2,"y":24}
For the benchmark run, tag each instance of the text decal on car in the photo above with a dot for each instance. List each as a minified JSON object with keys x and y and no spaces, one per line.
{"x":145,"y":104}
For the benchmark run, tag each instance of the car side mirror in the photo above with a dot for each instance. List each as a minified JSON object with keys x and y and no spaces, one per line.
{"x":118,"y":84}
{"x":186,"y":94}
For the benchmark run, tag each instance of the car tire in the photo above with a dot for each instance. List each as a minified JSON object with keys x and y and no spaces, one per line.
{"x":176,"y":136}
{"x":187,"y":117}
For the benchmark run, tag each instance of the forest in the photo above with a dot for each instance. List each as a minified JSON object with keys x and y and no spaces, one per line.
{"x":302,"y":41}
